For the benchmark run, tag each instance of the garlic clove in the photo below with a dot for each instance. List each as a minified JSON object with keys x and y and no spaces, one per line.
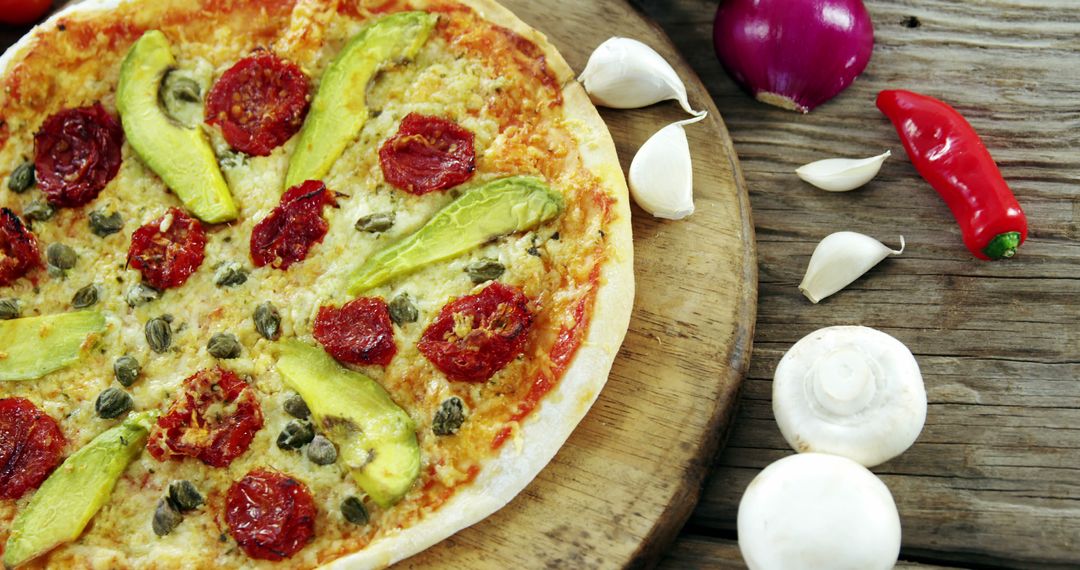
{"x":662,"y":176}
{"x":626,"y":74}
{"x":842,"y":174}
{"x":839,"y":259}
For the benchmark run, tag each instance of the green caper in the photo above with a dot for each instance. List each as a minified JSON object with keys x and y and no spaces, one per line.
{"x":295,"y":435}
{"x":102,"y":224}
{"x":296,"y":407}
{"x":402,"y":310}
{"x":449,"y":418}
{"x":321,"y":451}
{"x":38,"y":211}
{"x":230,"y":274}
{"x":22,"y":178}
{"x":353,"y":510}
{"x":166,"y":518}
{"x":140,"y":293}
{"x":112,"y":403}
{"x":85,"y":297}
{"x":223,"y":345}
{"x":126,"y":369}
{"x":486,"y":269}
{"x":9,"y":309}
{"x":158,"y":334}
{"x":376,"y":223}
{"x":268,"y":321}
{"x":61,"y":256}
{"x":181,"y":97}
{"x":184,"y":496}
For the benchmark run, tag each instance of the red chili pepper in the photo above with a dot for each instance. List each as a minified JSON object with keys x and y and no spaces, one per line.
{"x":949,"y":154}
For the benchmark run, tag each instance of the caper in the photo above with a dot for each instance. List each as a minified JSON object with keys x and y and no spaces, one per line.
{"x":166,"y":518}
{"x":126,"y":369}
{"x":402,"y":310}
{"x":9,"y":309}
{"x":230,"y":274}
{"x":376,"y":223}
{"x":184,"y":496}
{"x":102,"y":224}
{"x":295,"y":435}
{"x":158,"y":334}
{"x":268,"y":321}
{"x":38,"y":211}
{"x":353,"y":510}
{"x":22,"y":178}
{"x":296,"y":407}
{"x":85,"y":297}
{"x":140,"y":293}
{"x":486,"y":269}
{"x":180,"y":96}
{"x":223,"y":345}
{"x":61,"y":256}
{"x":321,"y":451}
{"x":112,"y":403}
{"x":449,"y":418}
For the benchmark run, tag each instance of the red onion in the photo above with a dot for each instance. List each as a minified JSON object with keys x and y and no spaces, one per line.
{"x":794,"y":54}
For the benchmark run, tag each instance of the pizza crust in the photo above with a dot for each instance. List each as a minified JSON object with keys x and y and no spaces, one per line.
{"x":544,"y":431}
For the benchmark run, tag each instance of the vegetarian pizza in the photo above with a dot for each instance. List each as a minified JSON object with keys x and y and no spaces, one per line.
{"x":293,"y":280}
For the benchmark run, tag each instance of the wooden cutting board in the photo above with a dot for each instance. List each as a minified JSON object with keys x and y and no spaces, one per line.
{"x":629,"y":476}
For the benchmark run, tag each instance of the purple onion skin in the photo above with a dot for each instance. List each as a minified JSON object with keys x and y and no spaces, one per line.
{"x":795,"y":54}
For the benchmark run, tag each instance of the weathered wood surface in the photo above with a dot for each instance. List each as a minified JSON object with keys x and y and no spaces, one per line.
{"x":995,"y":477}
{"x":697,"y":553}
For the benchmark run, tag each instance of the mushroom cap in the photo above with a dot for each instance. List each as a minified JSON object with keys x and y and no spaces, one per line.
{"x":813,"y":511}
{"x":850,"y":391}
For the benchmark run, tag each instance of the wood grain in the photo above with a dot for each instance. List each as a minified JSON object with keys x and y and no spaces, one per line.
{"x":993,"y":480}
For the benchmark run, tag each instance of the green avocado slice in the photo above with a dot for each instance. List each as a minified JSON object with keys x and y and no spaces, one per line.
{"x":180,"y":155}
{"x":339,"y":109}
{"x":32,"y":347}
{"x":482,"y":213}
{"x":377,"y":438}
{"x":60,"y":510}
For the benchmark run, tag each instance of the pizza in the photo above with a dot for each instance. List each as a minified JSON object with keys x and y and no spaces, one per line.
{"x":293,"y":282}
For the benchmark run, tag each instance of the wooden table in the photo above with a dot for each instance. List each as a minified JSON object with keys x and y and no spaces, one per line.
{"x":994,"y":479}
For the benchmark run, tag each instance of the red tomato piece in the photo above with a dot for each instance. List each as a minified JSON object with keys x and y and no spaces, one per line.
{"x":475,"y":336}
{"x":270,"y":514}
{"x":428,"y":154}
{"x":259,"y":103}
{"x":168,"y":250}
{"x":214,"y":420}
{"x":76,"y":154}
{"x":21,"y":12}
{"x":286,"y":235}
{"x":30,"y":446}
{"x":19,"y":251}
{"x":360,"y":332}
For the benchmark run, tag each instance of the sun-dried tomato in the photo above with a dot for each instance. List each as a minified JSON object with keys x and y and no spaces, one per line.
{"x":270,"y":514}
{"x":259,"y":103}
{"x":30,"y":446}
{"x":475,"y":336}
{"x":19,"y":251}
{"x":214,"y":420}
{"x":168,"y":250}
{"x":360,"y":332}
{"x":76,"y":154}
{"x":428,"y":154}
{"x":286,"y":235}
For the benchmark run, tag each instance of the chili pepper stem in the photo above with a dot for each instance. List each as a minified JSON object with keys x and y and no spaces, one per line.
{"x":1003,"y":245}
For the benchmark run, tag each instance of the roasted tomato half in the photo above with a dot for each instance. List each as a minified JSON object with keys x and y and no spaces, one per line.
{"x":30,"y":447}
{"x":270,"y":514}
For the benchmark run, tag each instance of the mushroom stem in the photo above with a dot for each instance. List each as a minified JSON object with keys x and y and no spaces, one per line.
{"x":845,"y":381}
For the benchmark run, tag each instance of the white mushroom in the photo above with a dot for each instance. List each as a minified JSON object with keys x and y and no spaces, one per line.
{"x":850,"y":391}
{"x":813,"y":511}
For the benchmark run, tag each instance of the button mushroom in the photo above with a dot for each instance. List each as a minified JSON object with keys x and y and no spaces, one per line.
{"x":812,"y":511}
{"x":850,"y":391}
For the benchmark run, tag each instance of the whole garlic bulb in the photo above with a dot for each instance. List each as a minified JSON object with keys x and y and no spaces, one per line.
{"x":626,"y":74}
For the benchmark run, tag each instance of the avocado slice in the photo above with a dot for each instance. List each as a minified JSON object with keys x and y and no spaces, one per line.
{"x":32,"y":347}
{"x":60,"y":510}
{"x":180,"y":155}
{"x":339,"y":109}
{"x":482,"y":213}
{"x":377,"y":438}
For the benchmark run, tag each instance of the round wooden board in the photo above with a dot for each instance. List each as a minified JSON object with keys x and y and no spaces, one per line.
{"x":627,"y":479}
